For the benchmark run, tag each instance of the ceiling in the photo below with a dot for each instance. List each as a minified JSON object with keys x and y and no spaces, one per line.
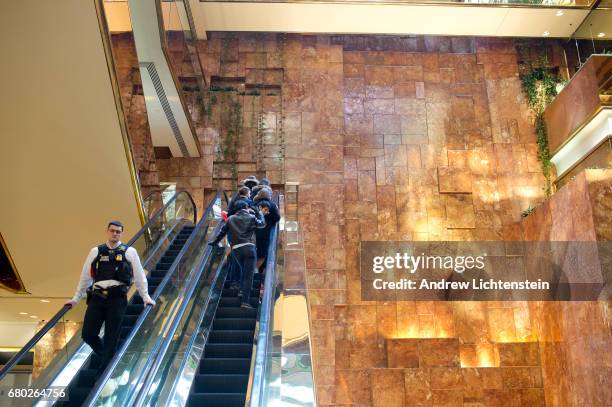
{"x":63,"y":161}
{"x":360,"y":18}
{"x":598,"y":22}
{"x":378,"y":18}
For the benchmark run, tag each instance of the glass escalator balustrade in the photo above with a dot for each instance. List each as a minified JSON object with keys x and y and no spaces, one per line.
{"x":211,"y":360}
{"x":84,"y":381}
{"x":134,"y":364}
{"x":67,"y":360}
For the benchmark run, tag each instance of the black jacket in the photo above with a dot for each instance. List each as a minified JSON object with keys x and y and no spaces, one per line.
{"x":271,"y":219}
{"x":241,"y":226}
{"x":231,"y":209}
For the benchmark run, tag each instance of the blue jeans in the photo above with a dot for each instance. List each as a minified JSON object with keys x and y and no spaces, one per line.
{"x":246,"y":257}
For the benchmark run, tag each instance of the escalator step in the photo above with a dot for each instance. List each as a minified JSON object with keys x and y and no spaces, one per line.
{"x":217,"y":399}
{"x":255,"y":285}
{"x":234,"y":324}
{"x":220,"y":383}
{"x":233,"y":292}
{"x":225,"y":365}
{"x":155,"y":280}
{"x":129,"y":320}
{"x":228,"y":336}
{"x":228,"y":350}
{"x":235,"y":302}
{"x":125,"y":331}
{"x":77,"y":395}
{"x":158,"y":273}
{"x":165,"y":265}
{"x":87,"y":377}
{"x":94,"y":361}
{"x":134,"y":309}
{"x":235,"y":312}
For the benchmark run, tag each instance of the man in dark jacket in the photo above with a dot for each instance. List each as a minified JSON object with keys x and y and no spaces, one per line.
{"x":240,"y":229}
{"x":264,"y":202}
{"x":243,"y":195}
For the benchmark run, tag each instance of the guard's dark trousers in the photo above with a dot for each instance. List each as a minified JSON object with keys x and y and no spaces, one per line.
{"x":109,"y":311}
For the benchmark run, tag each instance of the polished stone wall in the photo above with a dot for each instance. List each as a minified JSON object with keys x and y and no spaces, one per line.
{"x":428,"y":139}
{"x":406,"y":138}
{"x":573,"y":336}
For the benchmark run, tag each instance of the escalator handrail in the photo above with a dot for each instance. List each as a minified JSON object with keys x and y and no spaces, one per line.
{"x":259,"y":369}
{"x":154,"y":367}
{"x":160,"y":212}
{"x":150,"y":196}
{"x":32,"y":342}
{"x":103,"y":378}
{"x":65,"y":308}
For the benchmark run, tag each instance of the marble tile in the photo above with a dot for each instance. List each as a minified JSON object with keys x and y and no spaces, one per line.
{"x":402,"y":353}
{"x":438,"y":352}
{"x":519,"y":354}
{"x":459,"y":211}
{"x":454,"y":180}
{"x":417,"y":388}
{"x":353,"y":387}
{"x":446,"y":378}
{"x":387,"y":387}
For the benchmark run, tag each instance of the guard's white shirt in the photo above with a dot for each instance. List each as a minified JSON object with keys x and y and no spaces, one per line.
{"x":131,"y":255}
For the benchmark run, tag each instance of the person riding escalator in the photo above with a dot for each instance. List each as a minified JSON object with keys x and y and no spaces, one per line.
{"x":106,"y":277}
{"x":240,"y":229}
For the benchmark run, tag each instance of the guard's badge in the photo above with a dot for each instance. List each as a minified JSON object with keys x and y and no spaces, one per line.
{"x":119,"y":257}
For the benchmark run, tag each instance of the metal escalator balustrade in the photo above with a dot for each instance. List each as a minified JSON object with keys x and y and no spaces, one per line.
{"x":130,"y":369}
{"x":156,"y":243}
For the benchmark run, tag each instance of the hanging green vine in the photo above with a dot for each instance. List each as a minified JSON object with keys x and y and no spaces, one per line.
{"x":230,"y":138}
{"x":540,"y":87}
{"x":281,"y":127}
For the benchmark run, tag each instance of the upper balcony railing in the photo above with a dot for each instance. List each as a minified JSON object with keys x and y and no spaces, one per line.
{"x":589,"y":90}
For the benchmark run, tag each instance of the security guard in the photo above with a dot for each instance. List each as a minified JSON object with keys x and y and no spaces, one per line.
{"x":106,"y":277}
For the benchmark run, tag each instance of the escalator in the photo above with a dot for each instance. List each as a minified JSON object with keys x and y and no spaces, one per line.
{"x":197,"y":346}
{"x":218,"y":353}
{"x":172,"y":245}
{"x":223,"y":373}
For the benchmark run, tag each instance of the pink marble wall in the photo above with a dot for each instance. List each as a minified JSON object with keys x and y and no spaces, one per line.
{"x":415,"y":138}
{"x":575,"y":373}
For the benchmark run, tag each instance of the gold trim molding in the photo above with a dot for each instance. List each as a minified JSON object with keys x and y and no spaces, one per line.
{"x":110,"y":62}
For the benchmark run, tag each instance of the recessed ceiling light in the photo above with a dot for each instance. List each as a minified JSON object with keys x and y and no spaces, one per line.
{"x":33,"y":316}
{"x":601,"y":35}
{"x":23,"y":313}
{"x":45,"y":301}
{"x":546,"y":33}
{"x":559,"y":13}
